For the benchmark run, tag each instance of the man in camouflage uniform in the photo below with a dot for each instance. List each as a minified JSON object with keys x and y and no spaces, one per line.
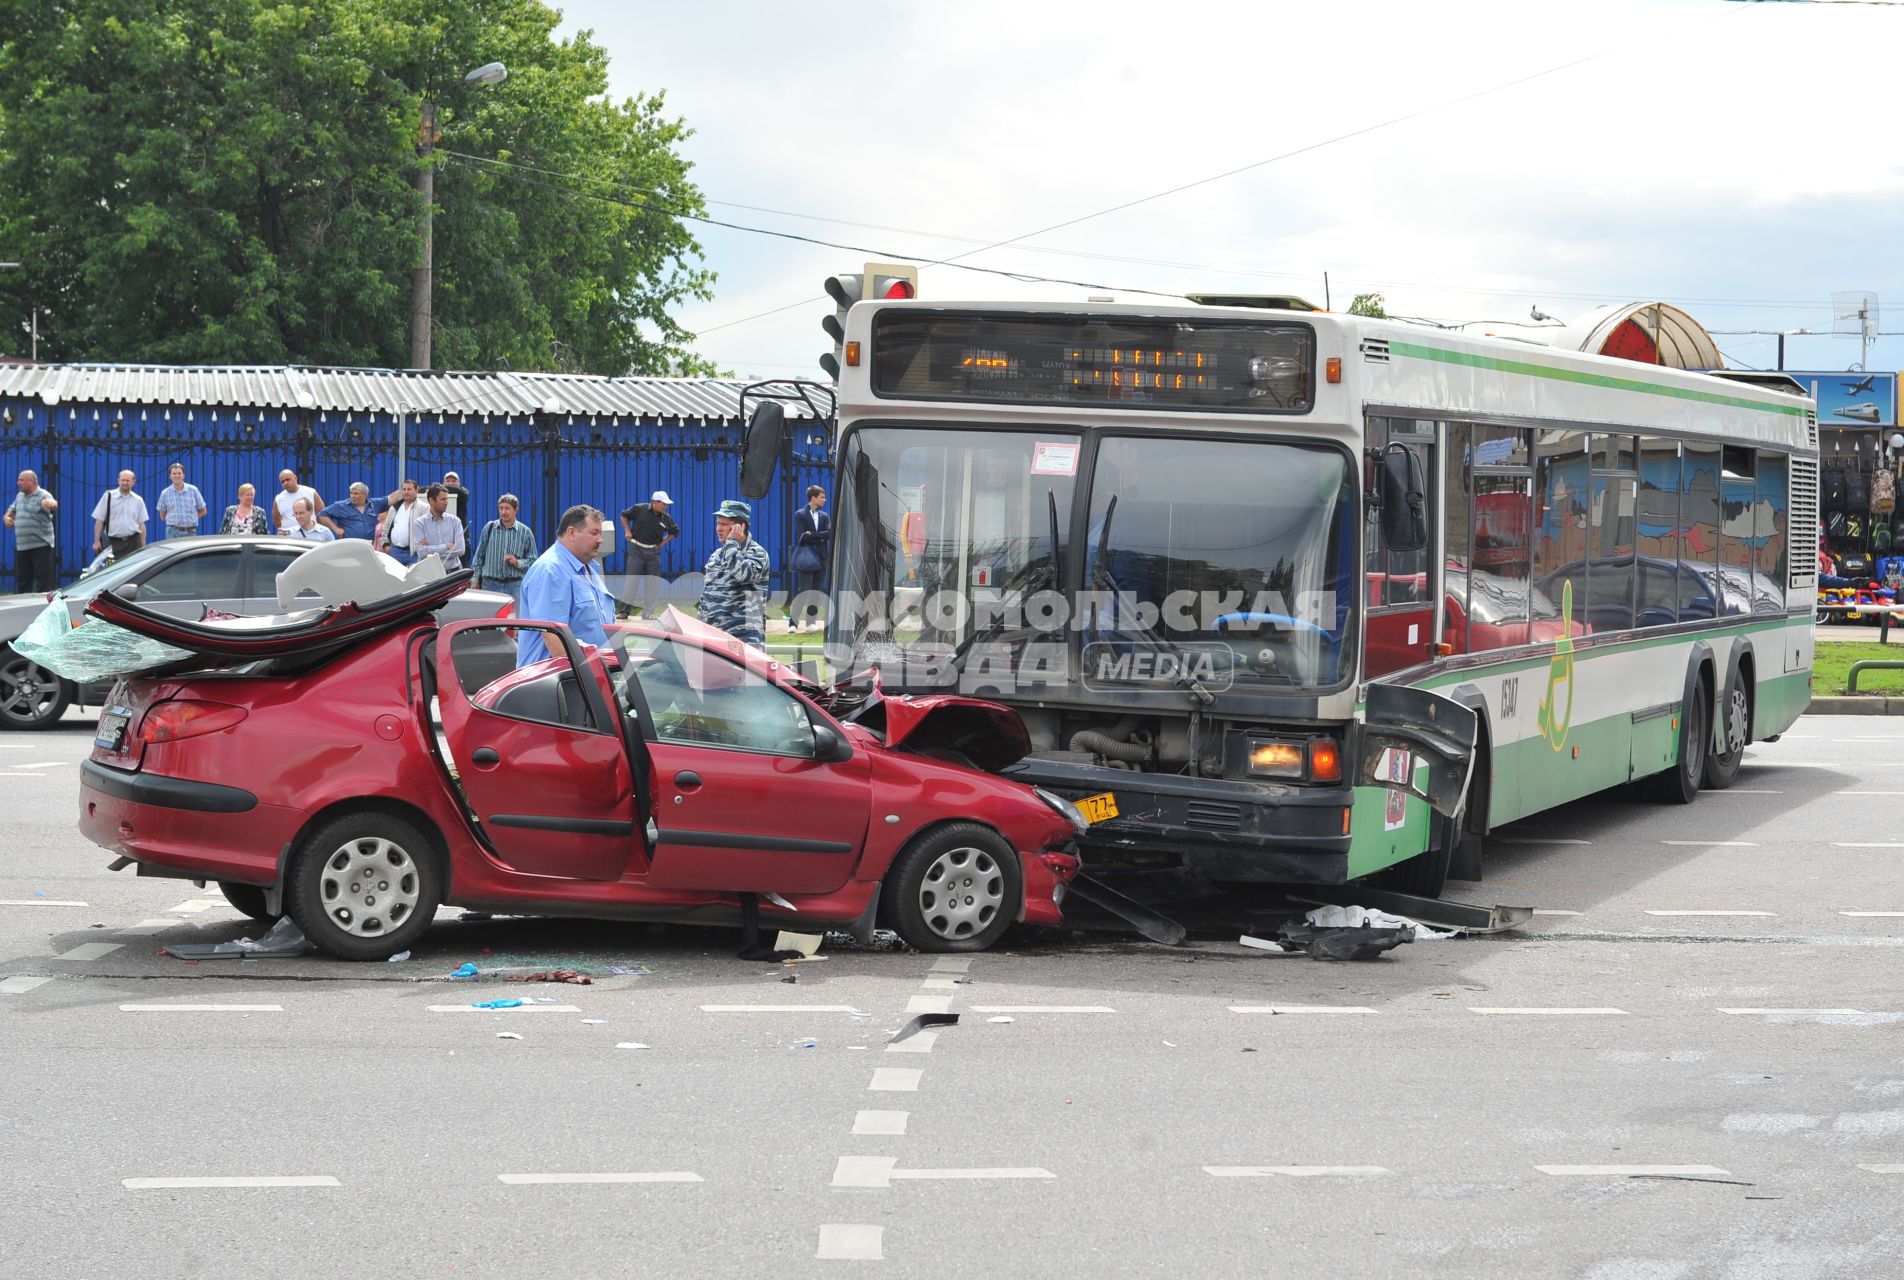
{"x":734,"y":596}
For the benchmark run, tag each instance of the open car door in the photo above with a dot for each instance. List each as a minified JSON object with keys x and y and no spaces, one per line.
{"x":537,"y":752}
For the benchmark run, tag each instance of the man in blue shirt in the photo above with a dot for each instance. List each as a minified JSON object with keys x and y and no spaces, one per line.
{"x":181,"y":506}
{"x":563,"y":585}
{"x":356,"y":517}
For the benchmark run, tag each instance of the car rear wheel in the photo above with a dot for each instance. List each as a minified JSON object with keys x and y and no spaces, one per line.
{"x":247,"y":898}
{"x":31,"y":697}
{"x":364,"y":887}
{"x":955,"y":888}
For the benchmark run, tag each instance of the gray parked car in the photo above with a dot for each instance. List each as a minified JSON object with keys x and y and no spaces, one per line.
{"x":183,"y":577}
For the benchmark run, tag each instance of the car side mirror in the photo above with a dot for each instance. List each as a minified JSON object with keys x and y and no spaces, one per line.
{"x":1404,"y":523}
{"x":127,"y":591}
{"x":830,"y":745}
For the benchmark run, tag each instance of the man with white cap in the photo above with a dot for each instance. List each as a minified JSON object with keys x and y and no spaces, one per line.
{"x":648,"y":528}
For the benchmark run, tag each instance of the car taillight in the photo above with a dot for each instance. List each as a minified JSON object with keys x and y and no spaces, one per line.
{"x":508,"y":610}
{"x":187,"y":718}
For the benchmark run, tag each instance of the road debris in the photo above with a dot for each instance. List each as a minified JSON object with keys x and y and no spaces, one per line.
{"x":630,"y":1044}
{"x":508,"y":1035}
{"x":464,"y":970}
{"x":560,"y":975}
{"x":1000,"y":1018}
{"x":921,"y":1022}
{"x":498,"y":1004}
{"x":398,"y":958}
{"x":282,"y":941}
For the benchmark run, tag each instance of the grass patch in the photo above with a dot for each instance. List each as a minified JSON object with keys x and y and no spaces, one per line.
{"x":1831,"y":666}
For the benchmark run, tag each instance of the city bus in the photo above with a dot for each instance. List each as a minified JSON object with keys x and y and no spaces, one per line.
{"x":1291,"y":596}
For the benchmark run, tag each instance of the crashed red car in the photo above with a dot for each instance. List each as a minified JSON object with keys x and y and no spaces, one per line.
{"x":358,"y":767}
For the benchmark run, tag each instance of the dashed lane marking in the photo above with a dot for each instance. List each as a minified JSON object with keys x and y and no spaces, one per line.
{"x":895,"y":1080}
{"x":1746,"y":791}
{"x":952,"y":964}
{"x":1540,"y":840}
{"x":929,"y":1004}
{"x":1871,"y":793}
{"x":851,"y":1242}
{"x":1713,"y":844}
{"x":1882,"y":1168}
{"x":39,"y":902}
{"x":1295,"y":1170}
{"x":1790,"y":1012}
{"x":1633,"y":1170}
{"x":521,"y":1008}
{"x":941,"y":982}
{"x":148,"y":926}
{"x":1869,"y":914}
{"x":40,"y":764}
{"x":578,"y":1179}
{"x":1712,"y":913}
{"x":192,"y":906}
{"x":1300,"y":1008}
{"x":1867,"y":844}
{"x":201,"y":1008}
{"x":161,"y":1184}
{"x":778,"y":1008}
{"x":91,"y":951}
{"x":917,"y":1042}
{"x":21,"y":985}
{"x":883,"y":1171}
{"x":885,"y":1124}
{"x":1042,"y":1008}
{"x":1548,"y":1013}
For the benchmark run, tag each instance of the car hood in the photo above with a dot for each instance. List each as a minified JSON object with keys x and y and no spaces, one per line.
{"x":990,"y":735}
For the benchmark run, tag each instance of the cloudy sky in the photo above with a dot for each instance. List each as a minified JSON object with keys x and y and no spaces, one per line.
{"x":1469,"y":159}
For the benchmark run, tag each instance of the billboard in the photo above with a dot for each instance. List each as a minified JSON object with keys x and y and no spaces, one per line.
{"x":1851,"y":399}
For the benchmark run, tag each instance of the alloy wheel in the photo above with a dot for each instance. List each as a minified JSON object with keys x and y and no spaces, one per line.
{"x":27,"y":691}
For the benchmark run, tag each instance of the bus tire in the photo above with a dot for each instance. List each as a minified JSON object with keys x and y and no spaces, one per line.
{"x":1680,"y":784}
{"x":1735,"y":726}
{"x":1426,"y":874}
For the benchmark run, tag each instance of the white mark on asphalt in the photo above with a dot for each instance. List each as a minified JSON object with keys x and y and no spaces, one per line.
{"x":851,"y":1242}
{"x":880,"y":1123}
{"x":1300,"y":1008}
{"x":575,"y":1179}
{"x":21,"y":985}
{"x":521,"y":1008}
{"x":1712,"y":913}
{"x":1295,"y":1170}
{"x":91,"y":951}
{"x":1871,"y":793}
{"x":1548,"y":1013}
{"x":201,"y":1008}
{"x":39,"y":902}
{"x":895,"y":1080}
{"x":941,"y":982}
{"x":1042,"y":1008}
{"x":1553,"y":911}
{"x":881,"y":1171}
{"x":192,"y":906}
{"x":929,"y":1004}
{"x":1633,"y":1170}
{"x":1885,"y":914}
{"x":1882,"y":1168}
{"x":952,"y":964}
{"x":1714,"y":844}
{"x":1775,"y":1122}
{"x":1540,"y":840}
{"x":160,"y":1184}
{"x":148,"y":926}
{"x":1747,"y":791}
{"x":778,"y":1008}
{"x":1870,"y":1124}
{"x":1867,"y":844}
{"x":41,"y":764}
{"x":917,"y":1042}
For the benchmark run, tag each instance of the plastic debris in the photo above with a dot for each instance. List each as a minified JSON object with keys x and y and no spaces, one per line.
{"x":809,"y":1044}
{"x":498,"y":1004}
{"x":399,"y":957}
{"x":805,"y":943}
{"x":479,"y":915}
{"x":507,"y":1035}
{"x":624,"y":969}
{"x":779,"y":901}
{"x":790,"y":976}
{"x":464,"y":970}
{"x":630,"y":1044}
{"x":1369,"y":918}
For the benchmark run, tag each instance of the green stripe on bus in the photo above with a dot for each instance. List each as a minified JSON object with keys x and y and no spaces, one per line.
{"x":1495,"y":363}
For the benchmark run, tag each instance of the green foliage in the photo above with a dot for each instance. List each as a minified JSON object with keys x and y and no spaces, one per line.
{"x":1368,"y":304}
{"x":233,"y":181}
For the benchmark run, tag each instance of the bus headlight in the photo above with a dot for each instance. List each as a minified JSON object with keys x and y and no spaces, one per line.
{"x":1070,"y":812}
{"x":1268,"y":759}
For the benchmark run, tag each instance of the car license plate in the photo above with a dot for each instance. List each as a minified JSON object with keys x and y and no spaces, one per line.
{"x":1099,"y":808}
{"x":112,"y":727}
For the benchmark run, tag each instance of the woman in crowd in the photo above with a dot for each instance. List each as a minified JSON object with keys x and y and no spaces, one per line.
{"x":245,"y":516}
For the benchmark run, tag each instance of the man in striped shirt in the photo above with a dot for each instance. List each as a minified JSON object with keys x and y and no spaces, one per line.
{"x":505,"y":550}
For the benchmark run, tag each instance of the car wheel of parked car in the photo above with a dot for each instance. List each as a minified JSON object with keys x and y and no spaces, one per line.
{"x":31,"y":697}
{"x":364,"y":887}
{"x":247,"y":898}
{"x":955,"y":888}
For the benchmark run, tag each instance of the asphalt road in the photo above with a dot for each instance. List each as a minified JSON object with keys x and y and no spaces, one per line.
{"x":1690,"y":1067}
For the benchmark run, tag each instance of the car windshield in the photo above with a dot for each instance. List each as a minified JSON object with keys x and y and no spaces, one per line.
{"x":121,"y":569}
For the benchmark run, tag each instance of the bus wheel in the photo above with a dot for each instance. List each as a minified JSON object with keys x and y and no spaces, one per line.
{"x":1426,"y":874}
{"x":1735,"y":722}
{"x":1680,"y":784}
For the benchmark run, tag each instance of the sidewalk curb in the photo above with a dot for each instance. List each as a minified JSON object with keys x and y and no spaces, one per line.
{"x":1859,"y":705}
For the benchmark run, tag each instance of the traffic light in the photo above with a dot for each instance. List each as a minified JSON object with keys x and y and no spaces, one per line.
{"x":876,"y":282}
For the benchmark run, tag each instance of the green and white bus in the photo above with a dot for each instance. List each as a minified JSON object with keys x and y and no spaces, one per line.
{"x":1289,"y":596}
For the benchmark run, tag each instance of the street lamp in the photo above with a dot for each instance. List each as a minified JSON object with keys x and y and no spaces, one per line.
{"x":421,"y":283}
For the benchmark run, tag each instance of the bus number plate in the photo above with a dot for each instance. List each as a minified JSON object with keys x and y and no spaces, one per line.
{"x":1099,"y":808}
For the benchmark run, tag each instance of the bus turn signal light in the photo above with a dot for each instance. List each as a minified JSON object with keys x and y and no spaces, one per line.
{"x":1325,"y":761}
{"x":852,"y":354}
{"x":1332,"y":368}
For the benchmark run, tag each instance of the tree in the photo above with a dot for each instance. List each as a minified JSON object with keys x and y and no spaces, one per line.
{"x":231,"y":181}
{"x":1368,"y":304}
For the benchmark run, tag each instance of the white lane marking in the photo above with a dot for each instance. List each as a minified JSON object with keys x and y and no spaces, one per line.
{"x":1553,"y":911}
{"x":1300,"y":1008}
{"x":917,"y":1042}
{"x":1882,"y":1168}
{"x":1805,"y":1012}
{"x":880,"y":1123}
{"x":1712,"y":913}
{"x":851,"y":1242}
{"x":1540,"y":840}
{"x":39,"y":902}
{"x":21,"y":985}
{"x":1747,"y":791}
{"x":1885,"y":914}
{"x":91,"y":951}
{"x":41,"y":764}
{"x":941,"y":982}
{"x":1549,"y":1013}
{"x":1871,"y":793}
{"x":895,"y":1080}
{"x":952,"y":964}
{"x":148,"y":926}
{"x":1713,"y":844}
{"x":1041,"y":1008}
{"x":201,"y":1008}
{"x":1632,"y":1170}
{"x":192,"y":906}
{"x":929,"y":1004}
{"x":1295,"y":1170}
{"x":22,"y":775}
{"x":778,"y":1008}
{"x":882,"y":1171}
{"x":521,"y":1008}
{"x":159,"y":1184}
{"x":572,"y":1179}
{"x":1867,"y":844}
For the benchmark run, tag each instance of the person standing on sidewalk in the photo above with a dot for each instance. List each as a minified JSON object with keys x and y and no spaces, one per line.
{"x":563,"y":585}
{"x":438,"y":533}
{"x":181,"y":506}
{"x":734,"y":597}
{"x":119,"y":519}
{"x":812,"y":540}
{"x":505,"y":550}
{"x":35,"y":562}
{"x":402,"y":509}
{"x":648,"y":529}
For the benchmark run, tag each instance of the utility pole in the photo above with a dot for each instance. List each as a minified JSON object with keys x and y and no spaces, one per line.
{"x":421,"y":284}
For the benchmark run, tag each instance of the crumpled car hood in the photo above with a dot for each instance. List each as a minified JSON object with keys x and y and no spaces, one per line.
{"x":990,"y":735}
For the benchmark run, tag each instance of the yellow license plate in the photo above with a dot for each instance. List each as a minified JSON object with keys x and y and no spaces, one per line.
{"x":1099,"y":808}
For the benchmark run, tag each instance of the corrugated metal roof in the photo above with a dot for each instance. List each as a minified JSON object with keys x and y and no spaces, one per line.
{"x":380,"y":390}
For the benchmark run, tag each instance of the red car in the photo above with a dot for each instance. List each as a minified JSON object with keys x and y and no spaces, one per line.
{"x":358,"y":767}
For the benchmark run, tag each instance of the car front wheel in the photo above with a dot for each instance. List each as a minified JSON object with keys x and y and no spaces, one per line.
{"x":955,"y":888}
{"x":364,"y":887}
{"x":31,"y":697}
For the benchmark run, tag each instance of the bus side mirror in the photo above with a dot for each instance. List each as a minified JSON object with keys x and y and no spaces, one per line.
{"x":760,"y":449}
{"x":1404,"y":523}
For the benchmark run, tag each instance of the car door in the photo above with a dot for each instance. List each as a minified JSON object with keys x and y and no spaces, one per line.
{"x":741,"y":800}
{"x":538,"y":755}
{"x":185,"y":585}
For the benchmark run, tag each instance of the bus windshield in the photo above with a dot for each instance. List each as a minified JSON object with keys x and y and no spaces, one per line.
{"x":1213,"y":563}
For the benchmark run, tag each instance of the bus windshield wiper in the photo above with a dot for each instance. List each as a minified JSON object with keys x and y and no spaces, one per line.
{"x":1035,"y":575}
